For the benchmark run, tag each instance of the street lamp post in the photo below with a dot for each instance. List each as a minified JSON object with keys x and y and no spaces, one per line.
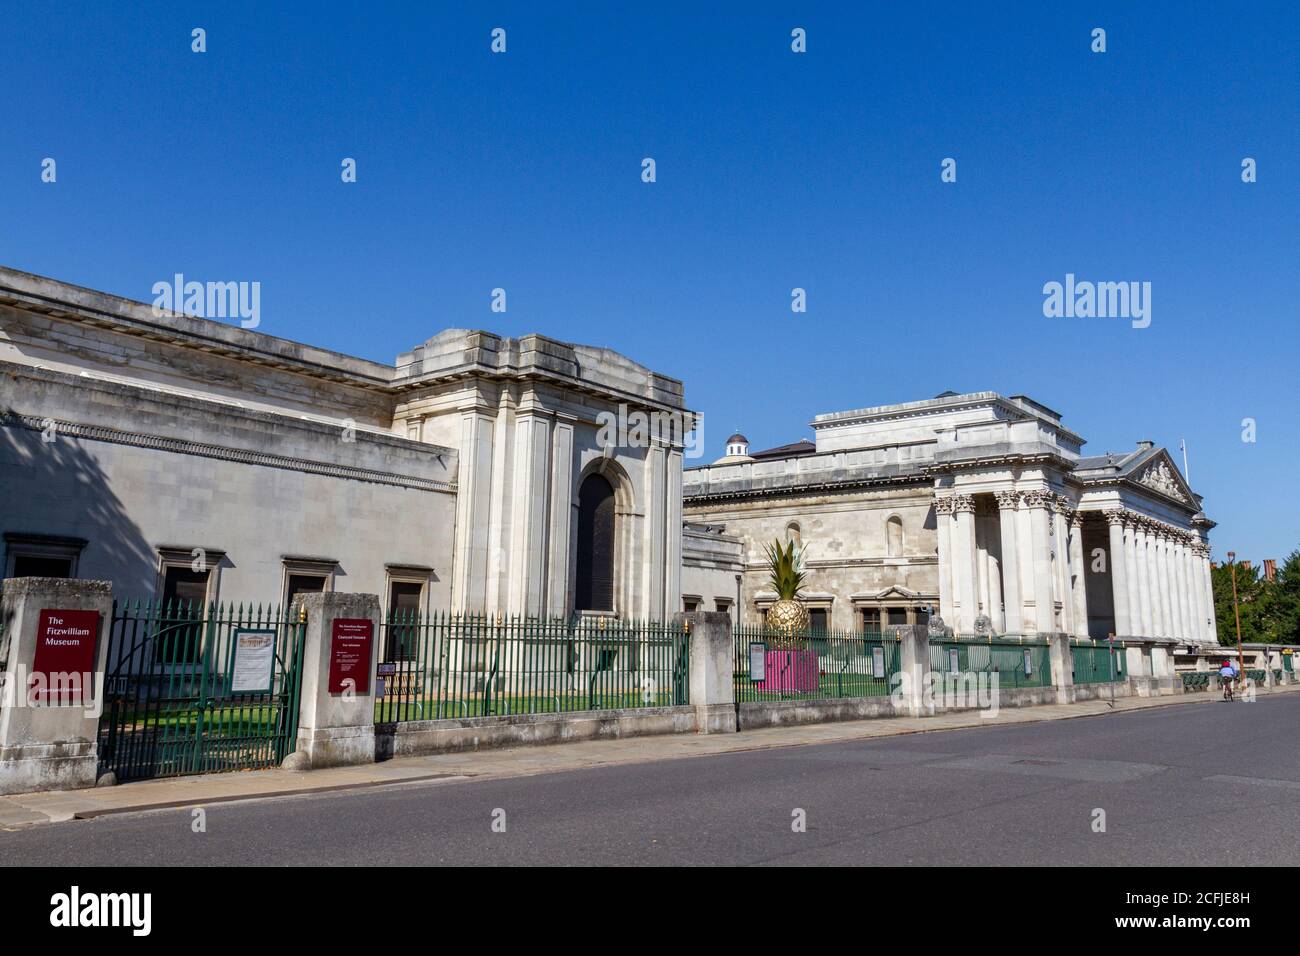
{"x":1236,"y":612}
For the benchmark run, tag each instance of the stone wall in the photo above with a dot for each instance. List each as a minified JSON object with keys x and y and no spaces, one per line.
{"x":132,"y":471}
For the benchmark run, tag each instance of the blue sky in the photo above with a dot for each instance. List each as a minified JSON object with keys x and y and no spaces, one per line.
{"x":775,"y":170}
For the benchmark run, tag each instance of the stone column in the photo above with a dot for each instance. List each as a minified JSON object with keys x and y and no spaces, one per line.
{"x":1007,"y":501}
{"x":48,"y":742}
{"x":1194,"y":587}
{"x":673,"y":530}
{"x":1146,"y":579}
{"x":1205,"y":602}
{"x":712,"y":687}
{"x":1080,"y":583}
{"x":1213,"y":625}
{"x":1061,"y":568}
{"x":1185,"y":615}
{"x":1132,"y":572}
{"x":473,"y":505}
{"x":655,"y":508}
{"x":335,"y":728}
{"x":563,"y":496}
{"x":943,"y":529}
{"x":1044,"y":617}
{"x":528,"y":557}
{"x":1119,"y":572}
{"x":964,"y":564}
{"x":1164,"y":584}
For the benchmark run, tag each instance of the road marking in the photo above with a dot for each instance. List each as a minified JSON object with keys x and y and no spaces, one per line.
{"x":1258,"y":781}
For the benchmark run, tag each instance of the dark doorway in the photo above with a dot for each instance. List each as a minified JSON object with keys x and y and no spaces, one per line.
{"x":594,"y":588}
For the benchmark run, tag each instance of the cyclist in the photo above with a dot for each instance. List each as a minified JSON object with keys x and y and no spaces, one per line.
{"x":1227,"y":673}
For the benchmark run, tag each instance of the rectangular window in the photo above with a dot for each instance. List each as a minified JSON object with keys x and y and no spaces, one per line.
{"x":404,"y":604}
{"x":898,"y":615}
{"x":871,"y":619}
{"x":306,"y":575}
{"x":184,"y":600}
{"x":303,"y":584}
{"x":690,"y":606}
{"x":819,"y":618}
{"x":33,"y":566}
{"x":722,"y":606}
{"x":41,"y":555}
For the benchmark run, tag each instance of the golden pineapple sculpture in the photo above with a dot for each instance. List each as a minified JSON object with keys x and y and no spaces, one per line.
{"x":787,"y":618}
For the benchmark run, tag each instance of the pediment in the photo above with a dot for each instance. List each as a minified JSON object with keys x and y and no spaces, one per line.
{"x":1160,"y":475}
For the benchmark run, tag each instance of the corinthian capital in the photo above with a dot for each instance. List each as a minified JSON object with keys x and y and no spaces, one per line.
{"x":1007,"y":500}
{"x":1117,"y":516}
{"x":963,"y":503}
{"x":943,"y":504}
{"x":1036,"y":499}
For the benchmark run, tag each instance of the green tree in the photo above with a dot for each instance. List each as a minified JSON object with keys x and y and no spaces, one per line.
{"x":1251,"y":602}
{"x":1282,"y":602}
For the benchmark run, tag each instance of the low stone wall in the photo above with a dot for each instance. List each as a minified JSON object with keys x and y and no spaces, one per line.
{"x":752,"y":715}
{"x":419,"y":737}
{"x":1123,"y":688}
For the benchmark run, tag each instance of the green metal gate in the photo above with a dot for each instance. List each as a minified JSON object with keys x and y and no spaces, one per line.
{"x":173,"y":703}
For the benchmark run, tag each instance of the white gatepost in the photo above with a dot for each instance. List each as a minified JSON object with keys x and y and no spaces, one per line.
{"x":336,"y":712}
{"x":49,"y":728}
{"x":712,"y":688}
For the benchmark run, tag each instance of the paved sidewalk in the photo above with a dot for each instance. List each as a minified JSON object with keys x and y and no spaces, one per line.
{"x":56,"y":806}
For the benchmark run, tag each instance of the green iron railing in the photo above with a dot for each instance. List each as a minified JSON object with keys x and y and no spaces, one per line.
{"x":809,"y":665}
{"x":1196,"y":680}
{"x":443,"y":665}
{"x":1098,"y":662}
{"x":1017,"y":661}
{"x":170,"y":705}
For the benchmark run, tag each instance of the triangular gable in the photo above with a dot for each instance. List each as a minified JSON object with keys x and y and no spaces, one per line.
{"x":1158,"y":473}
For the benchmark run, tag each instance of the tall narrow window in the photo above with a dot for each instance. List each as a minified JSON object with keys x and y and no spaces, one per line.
{"x":894,"y":536}
{"x":594,"y":586}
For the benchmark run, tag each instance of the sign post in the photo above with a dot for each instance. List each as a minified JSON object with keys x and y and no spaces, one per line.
{"x":350,"y":644}
{"x":252,"y":668}
{"x":64,"y":661}
{"x":336,"y":714}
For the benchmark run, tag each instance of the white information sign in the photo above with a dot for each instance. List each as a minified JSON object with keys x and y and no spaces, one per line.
{"x":758,"y":662}
{"x":954,"y":661}
{"x":877,"y":662}
{"x":1029,"y":662}
{"x":254,"y":662}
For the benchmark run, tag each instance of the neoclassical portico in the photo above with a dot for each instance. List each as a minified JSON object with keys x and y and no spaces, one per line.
{"x":1014,"y":561}
{"x":981,"y":504}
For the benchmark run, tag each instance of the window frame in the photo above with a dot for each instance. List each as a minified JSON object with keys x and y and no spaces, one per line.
{"x":298,"y":566}
{"x":19,"y":544}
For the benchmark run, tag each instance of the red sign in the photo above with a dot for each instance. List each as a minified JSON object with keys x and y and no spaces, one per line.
{"x":63,"y":667}
{"x":350,"y":654}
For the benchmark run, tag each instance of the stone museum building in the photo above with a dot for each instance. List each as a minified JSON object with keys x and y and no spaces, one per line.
{"x":979,"y":507}
{"x":186,"y":458}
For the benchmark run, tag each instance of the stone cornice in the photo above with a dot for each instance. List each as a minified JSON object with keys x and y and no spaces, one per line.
{"x":66,"y":429}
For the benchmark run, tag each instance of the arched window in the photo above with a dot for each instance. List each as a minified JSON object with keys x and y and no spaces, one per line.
{"x":594,"y":585}
{"x":894,"y":536}
{"x":792,"y":533}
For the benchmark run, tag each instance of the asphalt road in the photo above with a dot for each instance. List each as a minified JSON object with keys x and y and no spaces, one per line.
{"x":1177,"y":785}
